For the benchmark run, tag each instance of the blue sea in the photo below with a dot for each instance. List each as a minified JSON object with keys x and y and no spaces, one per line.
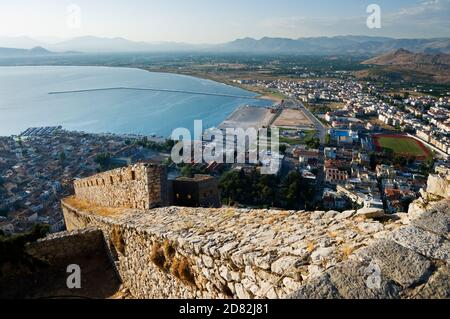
{"x":25,"y":100}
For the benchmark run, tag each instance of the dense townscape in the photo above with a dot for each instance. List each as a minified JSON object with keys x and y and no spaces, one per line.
{"x":37,"y":169}
{"x":364,"y":162}
{"x":356,"y":166}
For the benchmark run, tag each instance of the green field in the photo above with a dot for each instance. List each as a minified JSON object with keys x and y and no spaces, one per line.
{"x":309,"y":135}
{"x":402,"y":146}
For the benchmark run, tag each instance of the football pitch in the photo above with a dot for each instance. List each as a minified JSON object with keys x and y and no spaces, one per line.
{"x":402,"y":145}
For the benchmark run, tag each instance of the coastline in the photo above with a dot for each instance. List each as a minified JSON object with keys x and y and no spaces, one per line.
{"x":222,"y":80}
{"x":268,"y":103}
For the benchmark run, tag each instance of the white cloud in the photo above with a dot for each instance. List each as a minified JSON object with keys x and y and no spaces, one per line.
{"x":427,"y":18}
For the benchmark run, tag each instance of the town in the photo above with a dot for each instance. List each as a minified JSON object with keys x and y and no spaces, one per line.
{"x":380,"y":147}
{"x":37,"y":169}
{"x":344,"y":145}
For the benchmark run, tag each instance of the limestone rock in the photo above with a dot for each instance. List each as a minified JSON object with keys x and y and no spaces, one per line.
{"x":370,"y":228}
{"x":371,"y":213}
{"x":402,"y":265}
{"x":291,"y":284}
{"x":321,"y":254}
{"x":241,"y":292}
{"x":438,"y":186}
{"x":318,"y":288}
{"x":345,"y":215}
{"x":354,"y":280}
{"x":208,"y":261}
{"x":435,"y":222}
{"x":331,"y":214}
{"x":422,"y":242}
{"x":438,"y":287}
{"x":283,"y":265}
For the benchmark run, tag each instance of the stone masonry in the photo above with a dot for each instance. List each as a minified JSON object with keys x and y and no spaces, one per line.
{"x":176,"y":252}
{"x":141,"y":186}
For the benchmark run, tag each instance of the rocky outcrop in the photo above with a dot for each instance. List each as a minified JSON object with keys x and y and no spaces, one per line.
{"x":179,"y":252}
{"x":439,"y":185}
{"x":176,"y":252}
{"x":411,"y":261}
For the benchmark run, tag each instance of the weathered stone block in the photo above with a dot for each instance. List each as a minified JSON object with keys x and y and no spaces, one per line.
{"x":422,"y":242}
{"x":353,"y":281}
{"x":402,"y":265}
{"x":318,"y":288}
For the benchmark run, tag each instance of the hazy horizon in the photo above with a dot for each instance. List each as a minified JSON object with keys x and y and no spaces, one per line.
{"x":213,"y":22}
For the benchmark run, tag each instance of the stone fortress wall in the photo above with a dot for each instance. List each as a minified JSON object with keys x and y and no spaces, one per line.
{"x":177,"y":252}
{"x":141,"y":186}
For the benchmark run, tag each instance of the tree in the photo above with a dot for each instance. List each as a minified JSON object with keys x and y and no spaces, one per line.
{"x":62,"y":157}
{"x":312,"y":142}
{"x":103,"y":160}
{"x":187,"y":171}
{"x":13,"y":253}
{"x":327,"y":139}
{"x":291,"y":187}
{"x":283,"y":149}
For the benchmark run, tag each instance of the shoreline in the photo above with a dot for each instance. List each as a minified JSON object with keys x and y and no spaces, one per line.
{"x":260,"y":95}
{"x":271,"y":101}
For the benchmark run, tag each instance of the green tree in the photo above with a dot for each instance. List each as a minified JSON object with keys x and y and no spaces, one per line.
{"x":327,"y":139}
{"x":187,"y":171}
{"x":283,"y":149}
{"x":103,"y":160}
{"x":62,"y":158}
{"x":291,"y":189}
{"x":12,"y":249}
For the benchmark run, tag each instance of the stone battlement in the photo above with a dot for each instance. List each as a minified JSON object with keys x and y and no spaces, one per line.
{"x":139,"y":186}
{"x":176,"y":252}
{"x":180,"y":252}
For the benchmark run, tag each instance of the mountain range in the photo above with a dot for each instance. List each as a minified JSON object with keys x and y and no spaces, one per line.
{"x":356,"y":45}
{"x":36,"y":51}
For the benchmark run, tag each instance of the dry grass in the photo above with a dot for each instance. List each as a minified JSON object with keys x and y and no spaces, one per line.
{"x":83,"y":205}
{"x":182,"y":271}
{"x":332,"y":234}
{"x":347,"y":251}
{"x":117,"y":239}
{"x":229,"y":213}
{"x":310,"y":247}
{"x":164,"y":257}
{"x":168,"y":250}
{"x":157,"y":256}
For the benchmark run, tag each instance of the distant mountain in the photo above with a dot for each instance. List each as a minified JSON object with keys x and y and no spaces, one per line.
{"x":336,"y":45}
{"x":406,"y":65}
{"x":37,"y":51}
{"x":91,"y":44}
{"x":20,"y":42}
{"x":355,"y":45}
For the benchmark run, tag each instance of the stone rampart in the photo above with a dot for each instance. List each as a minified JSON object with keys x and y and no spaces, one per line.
{"x":176,"y":252}
{"x":140,"y":186}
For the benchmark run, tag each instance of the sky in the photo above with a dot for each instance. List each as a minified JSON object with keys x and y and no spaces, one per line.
{"x":218,"y":21}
